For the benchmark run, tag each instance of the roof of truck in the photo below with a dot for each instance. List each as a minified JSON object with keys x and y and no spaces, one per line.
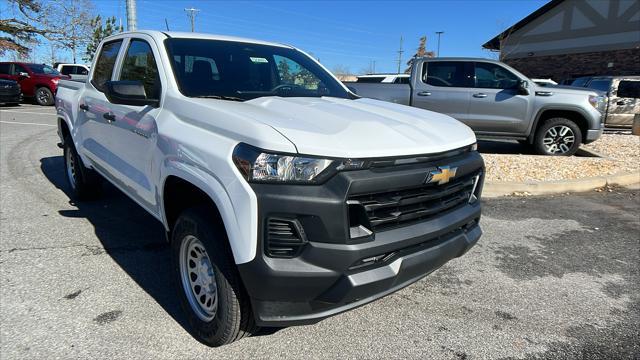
{"x":195,"y":35}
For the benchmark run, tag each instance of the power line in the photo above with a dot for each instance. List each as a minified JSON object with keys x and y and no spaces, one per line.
{"x":400,"y":51}
{"x":192,"y":15}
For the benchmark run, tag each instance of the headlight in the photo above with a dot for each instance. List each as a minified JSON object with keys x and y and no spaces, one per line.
{"x":597,"y":102}
{"x":262,"y":166}
{"x":55,"y":81}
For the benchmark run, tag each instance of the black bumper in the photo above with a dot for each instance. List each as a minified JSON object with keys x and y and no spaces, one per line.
{"x":10,"y":97}
{"x":327,"y":276}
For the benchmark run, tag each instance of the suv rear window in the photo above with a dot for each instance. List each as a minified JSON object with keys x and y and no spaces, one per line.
{"x":446,"y":74}
{"x":370,"y":79}
{"x":105,"y":63}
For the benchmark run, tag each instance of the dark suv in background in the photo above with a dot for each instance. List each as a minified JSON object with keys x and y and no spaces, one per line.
{"x":36,"y":81}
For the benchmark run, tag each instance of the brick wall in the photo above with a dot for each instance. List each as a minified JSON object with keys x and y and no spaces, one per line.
{"x":559,"y":67}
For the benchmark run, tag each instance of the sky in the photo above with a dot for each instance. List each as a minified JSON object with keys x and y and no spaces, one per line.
{"x":349,"y":34}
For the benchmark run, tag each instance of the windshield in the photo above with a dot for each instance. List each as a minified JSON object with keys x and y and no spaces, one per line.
{"x":43,"y":69}
{"x":243,"y":71}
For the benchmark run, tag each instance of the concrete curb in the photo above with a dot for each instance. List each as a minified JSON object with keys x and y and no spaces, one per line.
{"x":496,"y":189}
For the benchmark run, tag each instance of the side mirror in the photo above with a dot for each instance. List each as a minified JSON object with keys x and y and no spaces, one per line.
{"x":523,"y":87}
{"x":23,"y":74}
{"x":128,"y":93}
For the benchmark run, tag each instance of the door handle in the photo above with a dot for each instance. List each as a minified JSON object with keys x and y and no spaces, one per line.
{"x":84,"y":107}
{"x":480,"y":95}
{"x":424,"y":93}
{"x":621,"y":102}
{"x":109,"y":116}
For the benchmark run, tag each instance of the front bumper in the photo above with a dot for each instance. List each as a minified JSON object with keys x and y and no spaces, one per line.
{"x":322,"y":280}
{"x":593,"y":135}
{"x":11,"y":98}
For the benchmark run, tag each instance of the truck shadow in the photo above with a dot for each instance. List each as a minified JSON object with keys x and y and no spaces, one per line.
{"x":133,"y":238}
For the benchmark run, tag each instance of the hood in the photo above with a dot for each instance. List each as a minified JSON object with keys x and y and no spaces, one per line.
{"x":360,"y":128}
{"x":569,"y":90}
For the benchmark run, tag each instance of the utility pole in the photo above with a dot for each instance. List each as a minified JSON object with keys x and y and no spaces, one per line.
{"x":131,"y":15}
{"x":192,"y":15}
{"x":439,"y":33}
{"x":400,"y":51}
{"x":166,"y":23}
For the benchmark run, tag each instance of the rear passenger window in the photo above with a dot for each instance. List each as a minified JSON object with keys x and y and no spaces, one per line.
{"x":629,"y":89}
{"x":446,"y":74}
{"x":67,"y":70}
{"x":104,"y":64}
{"x":139,"y":64}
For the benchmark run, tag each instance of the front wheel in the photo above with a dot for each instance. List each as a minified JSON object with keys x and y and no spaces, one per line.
{"x":559,"y":137}
{"x":44,"y":96}
{"x":207,"y":281}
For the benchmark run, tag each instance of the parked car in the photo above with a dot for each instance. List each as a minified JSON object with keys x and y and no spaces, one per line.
{"x":77,"y":72}
{"x":286,"y":198}
{"x":10,"y":93}
{"x":623,"y":97}
{"x":383,"y":78}
{"x":36,"y":81}
{"x":497,"y":101}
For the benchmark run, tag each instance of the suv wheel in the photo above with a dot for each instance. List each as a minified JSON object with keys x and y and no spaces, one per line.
{"x":84,"y":182}
{"x":207,"y":281}
{"x":44,"y":96}
{"x":558,"y":136}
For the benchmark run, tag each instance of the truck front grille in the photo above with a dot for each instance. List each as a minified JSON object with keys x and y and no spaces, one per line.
{"x":395,"y":208}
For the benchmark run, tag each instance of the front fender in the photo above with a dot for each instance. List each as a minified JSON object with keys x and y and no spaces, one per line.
{"x":236,"y":203}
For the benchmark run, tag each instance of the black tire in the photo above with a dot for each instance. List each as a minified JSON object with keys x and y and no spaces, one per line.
{"x":84,"y":183}
{"x":233,"y":317}
{"x":552,"y":137}
{"x":44,"y":96}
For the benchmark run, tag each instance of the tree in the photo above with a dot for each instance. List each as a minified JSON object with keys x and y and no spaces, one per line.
{"x":100,"y":32}
{"x":16,"y":34}
{"x":340,"y":71}
{"x":421,"y":52}
{"x":70,"y":22}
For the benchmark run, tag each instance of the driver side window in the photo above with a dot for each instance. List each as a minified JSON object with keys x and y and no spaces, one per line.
{"x":291,"y":73}
{"x":492,"y":76}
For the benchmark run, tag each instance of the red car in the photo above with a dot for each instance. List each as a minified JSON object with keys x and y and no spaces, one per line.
{"x":37,"y":81}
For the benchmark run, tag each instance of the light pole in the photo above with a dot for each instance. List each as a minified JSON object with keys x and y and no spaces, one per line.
{"x":439,"y":33}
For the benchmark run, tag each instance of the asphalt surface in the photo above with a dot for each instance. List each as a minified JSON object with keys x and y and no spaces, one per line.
{"x":552,"y":277}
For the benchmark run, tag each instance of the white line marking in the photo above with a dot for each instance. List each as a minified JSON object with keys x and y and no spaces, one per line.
{"x":25,"y":112}
{"x":25,"y":123}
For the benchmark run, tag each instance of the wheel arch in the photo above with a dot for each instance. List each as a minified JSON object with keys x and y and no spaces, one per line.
{"x":574,"y":115}
{"x":187,"y":186}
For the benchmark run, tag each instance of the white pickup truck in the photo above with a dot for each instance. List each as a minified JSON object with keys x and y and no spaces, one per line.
{"x":286,"y":198}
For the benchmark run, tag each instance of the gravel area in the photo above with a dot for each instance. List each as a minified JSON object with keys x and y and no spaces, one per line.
{"x":621,"y":155}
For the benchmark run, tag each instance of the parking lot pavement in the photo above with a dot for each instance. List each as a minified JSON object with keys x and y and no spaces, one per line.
{"x":552,"y":277}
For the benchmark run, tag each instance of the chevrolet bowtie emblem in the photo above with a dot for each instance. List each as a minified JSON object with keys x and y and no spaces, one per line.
{"x":441,"y":175}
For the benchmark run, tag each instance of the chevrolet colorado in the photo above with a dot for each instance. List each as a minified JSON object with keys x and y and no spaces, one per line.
{"x":286,"y":198}
{"x":497,"y":101}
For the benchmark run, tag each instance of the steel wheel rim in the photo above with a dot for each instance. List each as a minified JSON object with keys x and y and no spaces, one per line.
{"x":558,"y":139}
{"x":198,"y":278}
{"x":43,"y":96}
{"x":71,"y":169}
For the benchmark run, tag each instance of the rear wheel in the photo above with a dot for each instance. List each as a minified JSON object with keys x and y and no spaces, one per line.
{"x":85,"y":183}
{"x":44,"y":96}
{"x":207,"y":281}
{"x":559,"y":137}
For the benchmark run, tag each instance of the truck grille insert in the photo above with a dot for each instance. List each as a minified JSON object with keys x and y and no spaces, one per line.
{"x":285,"y":238}
{"x":395,"y":208}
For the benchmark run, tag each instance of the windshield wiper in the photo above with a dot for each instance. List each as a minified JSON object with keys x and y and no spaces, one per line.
{"x":219,"y":97}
